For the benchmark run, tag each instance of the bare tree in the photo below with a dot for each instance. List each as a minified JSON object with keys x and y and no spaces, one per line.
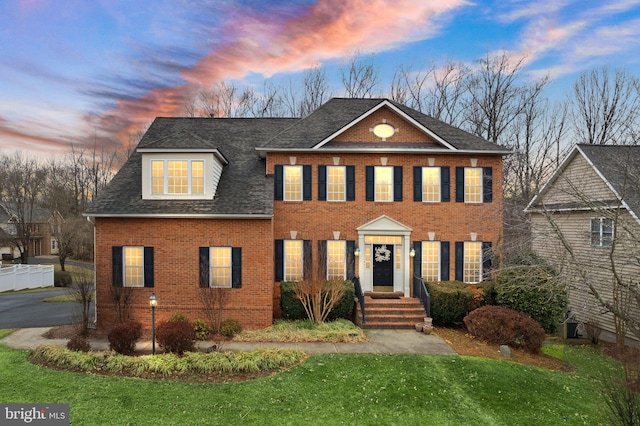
{"x":446,"y":94}
{"x":82,"y":291}
{"x":606,"y":107}
{"x":360,"y":77}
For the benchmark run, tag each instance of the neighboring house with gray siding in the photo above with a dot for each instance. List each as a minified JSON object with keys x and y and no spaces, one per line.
{"x":585,"y":221}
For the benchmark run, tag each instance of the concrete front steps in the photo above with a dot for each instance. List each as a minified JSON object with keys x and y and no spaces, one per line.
{"x":389,"y":310}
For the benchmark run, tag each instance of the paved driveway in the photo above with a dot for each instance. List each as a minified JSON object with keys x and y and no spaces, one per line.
{"x":24,"y":310}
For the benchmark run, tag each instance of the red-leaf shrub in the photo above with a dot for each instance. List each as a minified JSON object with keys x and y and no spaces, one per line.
{"x":78,"y":344}
{"x":123,"y":337}
{"x":176,"y":336}
{"x":504,"y":326}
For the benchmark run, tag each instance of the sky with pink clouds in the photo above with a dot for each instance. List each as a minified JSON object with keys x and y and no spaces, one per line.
{"x":78,"y":71}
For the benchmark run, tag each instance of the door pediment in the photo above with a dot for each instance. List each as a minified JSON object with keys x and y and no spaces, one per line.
{"x":384,"y":225}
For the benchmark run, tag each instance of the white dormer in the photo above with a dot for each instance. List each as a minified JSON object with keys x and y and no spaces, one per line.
{"x":168,"y":175}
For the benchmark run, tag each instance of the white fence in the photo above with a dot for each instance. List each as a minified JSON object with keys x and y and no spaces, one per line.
{"x":20,"y":277}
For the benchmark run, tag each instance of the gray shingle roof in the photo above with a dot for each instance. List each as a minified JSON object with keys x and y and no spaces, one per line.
{"x":620,"y":166}
{"x":340,"y":112}
{"x":243,"y":188}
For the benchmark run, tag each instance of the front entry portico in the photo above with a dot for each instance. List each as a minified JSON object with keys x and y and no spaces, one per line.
{"x":384,"y":262}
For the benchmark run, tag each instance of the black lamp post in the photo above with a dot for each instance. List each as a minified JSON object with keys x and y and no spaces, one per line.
{"x":153,"y":301}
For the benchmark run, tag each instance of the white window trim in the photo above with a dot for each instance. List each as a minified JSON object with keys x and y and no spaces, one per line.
{"x":344,"y":184}
{"x":284,"y":182}
{"x":375,"y":184}
{"x":211,"y":267}
{"x":481,"y":197}
{"x":344,"y":258}
{"x":600,"y":241}
{"x":438,"y":262}
{"x":125,"y":267}
{"x":465,"y":263}
{"x":439,"y":184}
{"x":284,"y":266}
{"x":165,"y":176}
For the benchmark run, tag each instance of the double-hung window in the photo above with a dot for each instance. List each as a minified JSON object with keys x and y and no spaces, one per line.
{"x":431,"y":184}
{"x":220,"y":266}
{"x":132,"y":266}
{"x":384,"y":183}
{"x":472,"y":185}
{"x":292,"y":183}
{"x":431,"y":260}
{"x":293,"y":259}
{"x":472,"y":262}
{"x":601,"y":232}
{"x":336,"y":259}
{"x":336,"y":183}
{"x":177,"y":177}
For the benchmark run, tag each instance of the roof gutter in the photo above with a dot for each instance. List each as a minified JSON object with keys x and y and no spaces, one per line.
{"x":263,"y":151}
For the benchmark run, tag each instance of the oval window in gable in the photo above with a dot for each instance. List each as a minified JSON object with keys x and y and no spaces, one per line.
{"x":384,"y":130}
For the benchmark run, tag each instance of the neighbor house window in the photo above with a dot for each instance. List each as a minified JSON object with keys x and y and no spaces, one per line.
{"x":431,"y":260}
{"x":177,"y":177}
{"x":472,"y":262}
{"x":336,"y":183}
{"x":384,"y":183}
{"x":431,"y":184}
{"x":601,"y":232}
{"x":472,"y":185}
{"x":133,"y":265}
{"x":220,"y":266}
{"x":336,"y":259}
{"x":292,"y":183}
{"x":293,"y":257}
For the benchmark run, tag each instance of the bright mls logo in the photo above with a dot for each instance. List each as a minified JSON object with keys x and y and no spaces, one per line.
{"x":36,"y":414}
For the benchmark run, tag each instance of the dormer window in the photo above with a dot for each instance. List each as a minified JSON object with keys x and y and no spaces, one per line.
{"x":177,"y":177}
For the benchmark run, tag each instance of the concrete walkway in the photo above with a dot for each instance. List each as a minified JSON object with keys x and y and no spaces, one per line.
{"x":380,"y":341}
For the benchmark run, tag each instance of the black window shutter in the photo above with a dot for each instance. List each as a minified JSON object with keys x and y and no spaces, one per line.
{"x":459,"y":261}
{"x":322,"y":183}
{"x":278,"y":188}
{"x":487,"y":184}
{"x":116,"y":266}
{"x":445,"y":184}
{"x":204,"y":266}
{"x":279,"y":266}
{"x":306,"y":182}
{"x":351,"y":183}
{"x":236,"y":267}
{"x":417,"y":259}
{"x":307,"y":260}
{"x":486,"y":260}
{"x":460,"y":184}
{"x":323,"y":256}
{"x":148,"y":266}
{"x":397,"y":183}
{"x":370,"y":183}
{"x":351,"y":259}
{"x":417,"y":183}
{"x":444,"y":260}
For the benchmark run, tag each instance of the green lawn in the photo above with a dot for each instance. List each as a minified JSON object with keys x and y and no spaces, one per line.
{"x":331,"y":390}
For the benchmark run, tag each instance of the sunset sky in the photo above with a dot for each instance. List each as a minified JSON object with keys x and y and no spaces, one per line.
{"x":79,"y":71}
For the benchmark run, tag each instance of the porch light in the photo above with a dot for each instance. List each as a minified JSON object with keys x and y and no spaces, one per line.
{"x":356,"y":252}
{"x":153,"y":301}
{"x":412,"y":252}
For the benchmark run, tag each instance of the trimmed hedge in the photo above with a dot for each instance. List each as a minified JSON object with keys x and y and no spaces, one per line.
{"x":503,"y":326}
{"x":292,"y":307}
{"x":450,"y":301}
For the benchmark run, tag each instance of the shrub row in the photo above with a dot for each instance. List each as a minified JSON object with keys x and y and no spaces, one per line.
{"x":268,"y":359}
{"x":452,"y":300}
{"x":292,"y":307}
{"x":504,"y":326}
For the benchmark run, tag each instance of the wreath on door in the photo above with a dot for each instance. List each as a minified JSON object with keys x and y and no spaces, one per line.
{"x":383,"y":254}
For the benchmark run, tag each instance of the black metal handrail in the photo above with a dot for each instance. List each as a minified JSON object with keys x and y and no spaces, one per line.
{"x":359,"y":294}
{"x":420,"y":292}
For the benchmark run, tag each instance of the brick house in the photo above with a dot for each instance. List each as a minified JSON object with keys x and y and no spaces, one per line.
{"x":40,"y":226}
{"x":361,"y":187}
{"x":586,"y":222}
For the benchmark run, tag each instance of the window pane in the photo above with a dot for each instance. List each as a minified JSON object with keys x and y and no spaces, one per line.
{"x":335,"y":183}
{"x":133,"y":267}
{"x":177,"y":177}
{"x":384,"y":183}
{"x":431,"y":184}
{"x":472,"y":262}
{"x":220,"y":266}
{"x":293,"y":183}
{"x":472,"y":185}
{"x":197,"y":177}
{"x":336,"y":260}
{"x":157,"y":177}
{"x":431,"y":260}
{"x":293,"y":260}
